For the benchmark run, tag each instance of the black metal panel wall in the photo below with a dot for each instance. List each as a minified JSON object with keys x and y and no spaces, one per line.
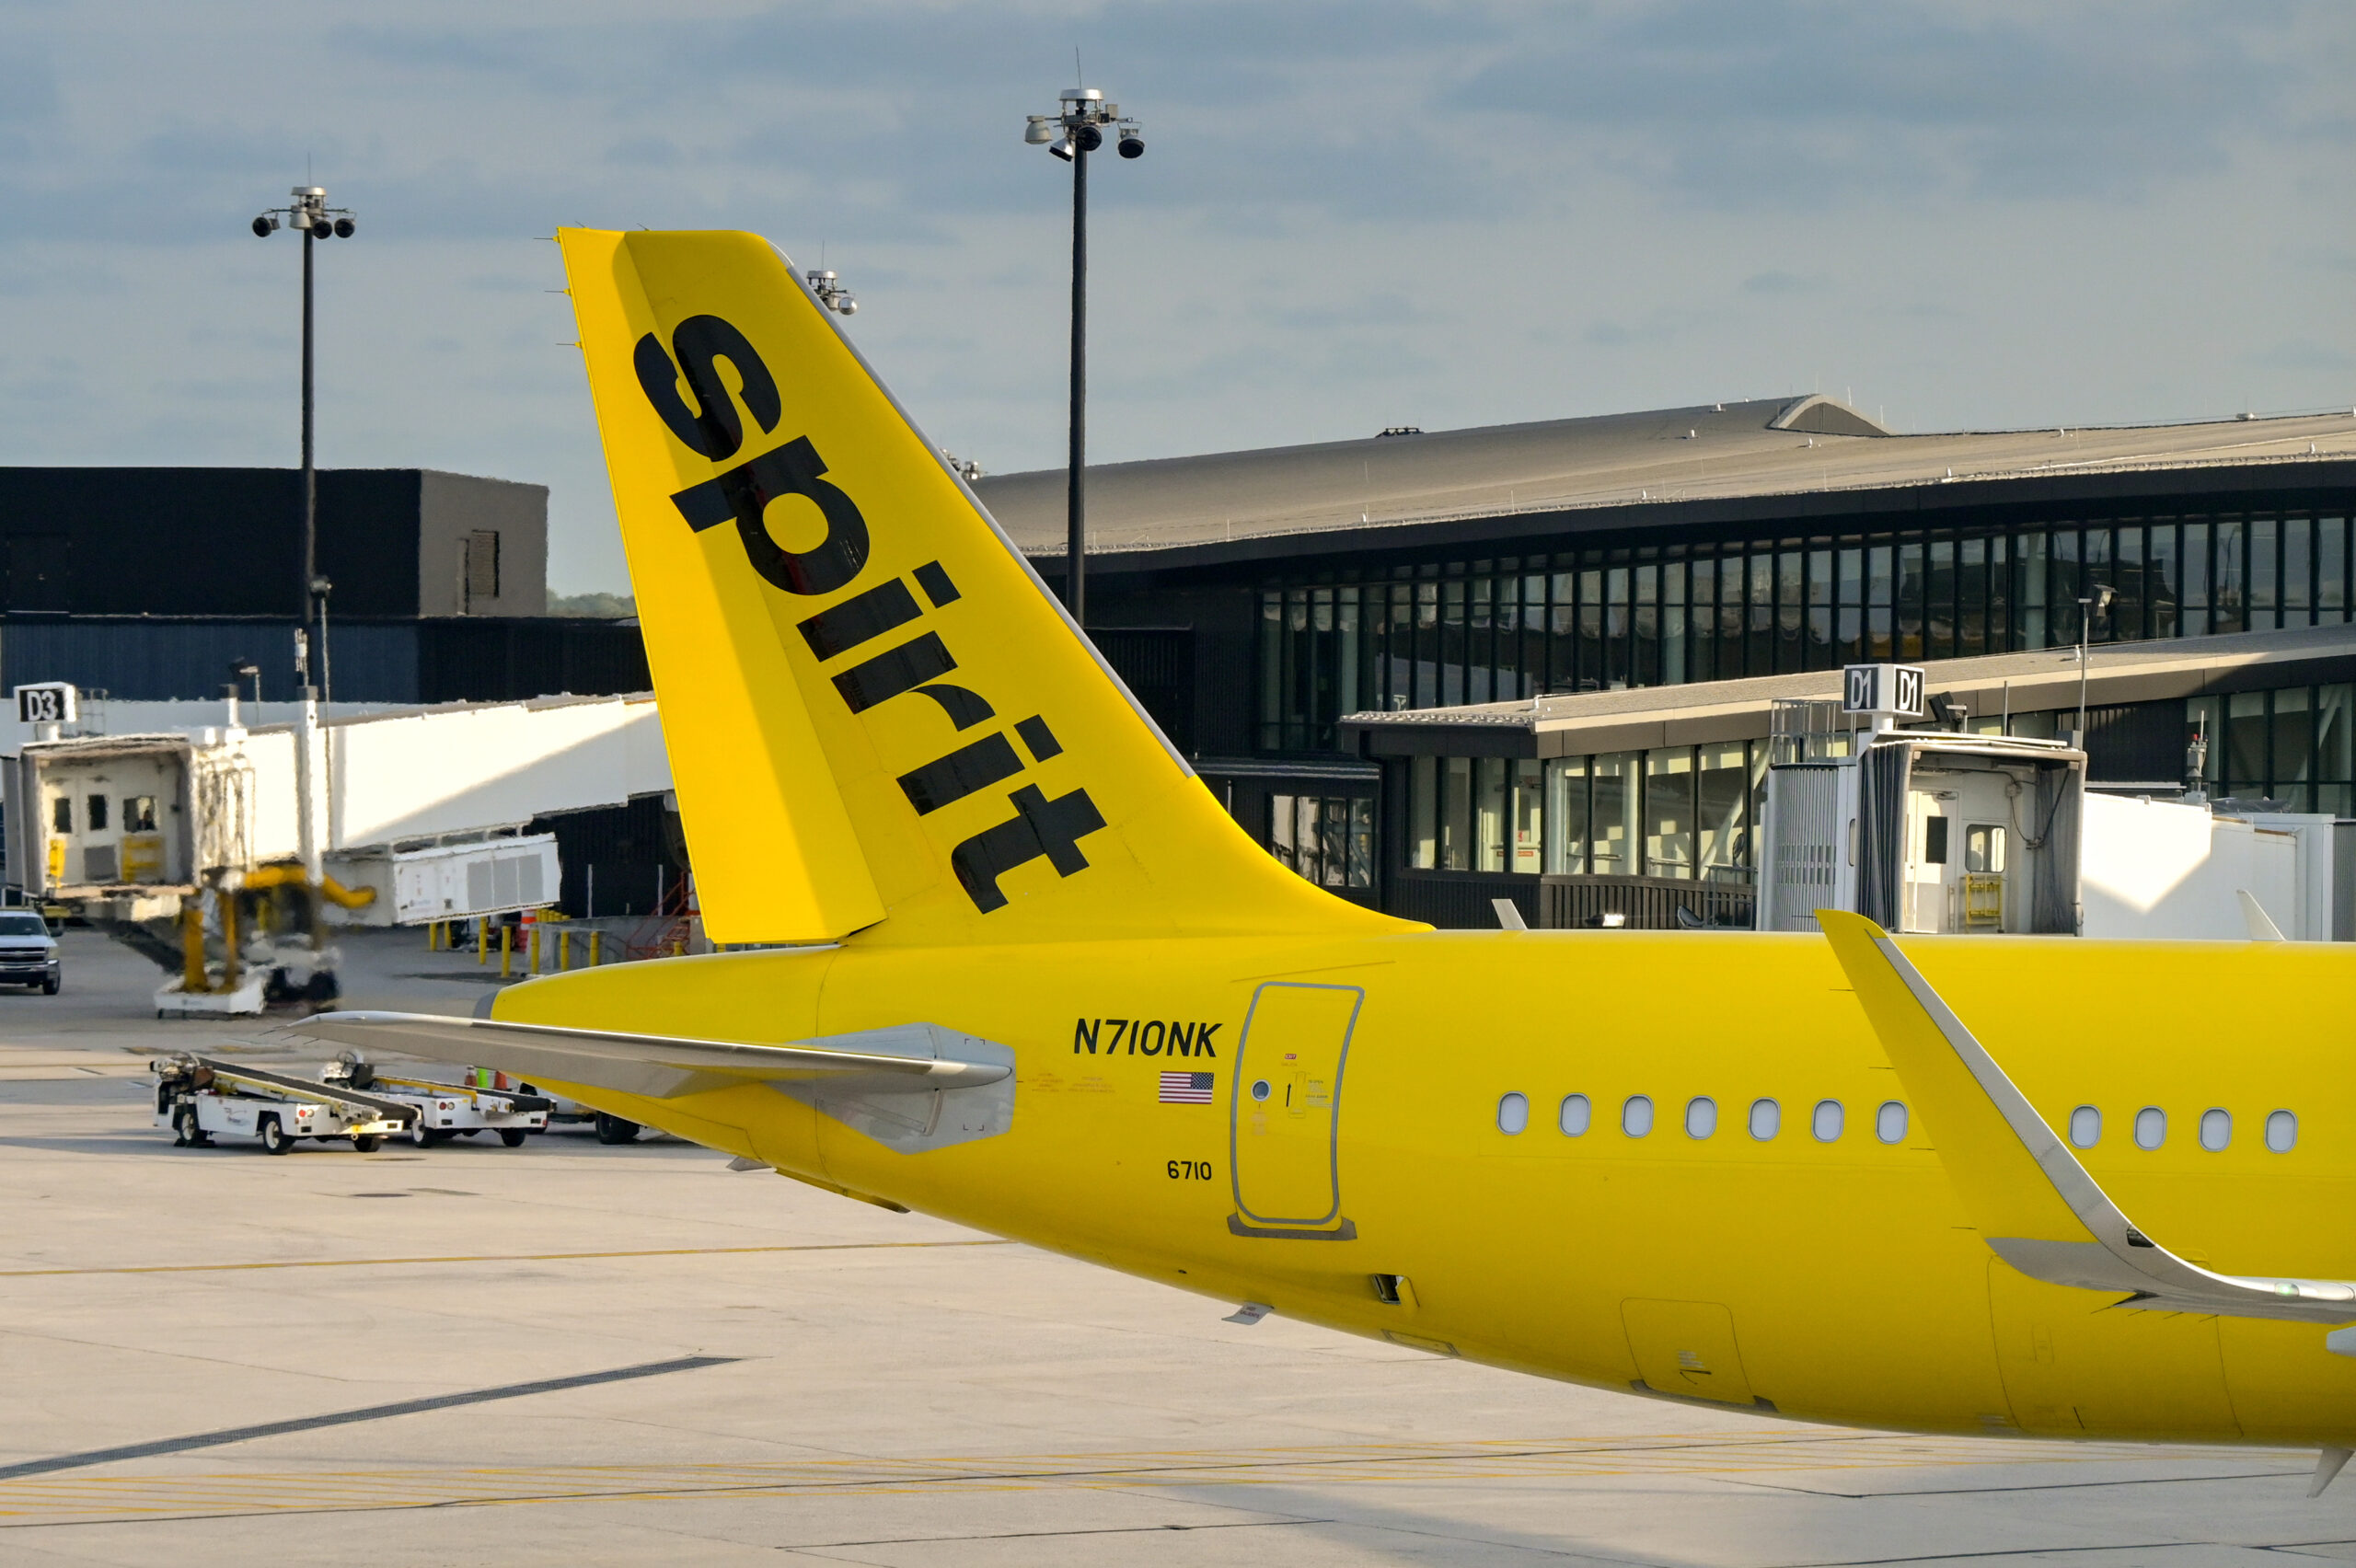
{"x":1158,"y":666}
{"x":615,"y":859}
{"x":479,"y":659}
{"x":2138,"y":742}
{"x":144,"y":659}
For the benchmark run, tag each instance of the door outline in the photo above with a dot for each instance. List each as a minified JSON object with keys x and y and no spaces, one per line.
{"x":1238,"y":1095}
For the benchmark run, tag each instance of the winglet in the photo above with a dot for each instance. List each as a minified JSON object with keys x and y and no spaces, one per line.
{"x":2262,"y":928}
{"x":1993,"y":1143}
{"x":2033,"y":1203}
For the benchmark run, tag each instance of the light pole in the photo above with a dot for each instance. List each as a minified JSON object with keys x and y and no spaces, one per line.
{"x":1082,"y":122}
{"x":308,"y":212}
{"x":2088,"y":609}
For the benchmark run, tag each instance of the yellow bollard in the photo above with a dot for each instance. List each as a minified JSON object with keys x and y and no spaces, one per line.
{"x":596,"y":949}
{"x":506,"y":952}
{"x":563,"y":952}
{"x":531,"y":950}
{"x":482,"y":940}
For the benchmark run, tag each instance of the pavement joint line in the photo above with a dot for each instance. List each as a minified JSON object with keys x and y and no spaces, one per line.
{"x":495,"y":1258}
{"x":369,"y":1412}
{"x":375,"y":1490}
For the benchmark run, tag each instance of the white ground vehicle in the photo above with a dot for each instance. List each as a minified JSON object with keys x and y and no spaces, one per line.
{"x":200,"y":1099}
{"x":28,"y":952}
{"x":448,"y":1110}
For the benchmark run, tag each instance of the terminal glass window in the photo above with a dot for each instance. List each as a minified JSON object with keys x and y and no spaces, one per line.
{"x":1529,"y":846}
{"x":1613,"y":826}
{"x":61,"y":814}
{"x":1328,"y":839}
{"x":1422,"y":814}
{"x":1567,"y":821}
{"x":93,"y":814}
{"x":139,"y":813}
{"x":1668,"y":812}
{"x":1722,"y":794}
{"x":1489,"y":813}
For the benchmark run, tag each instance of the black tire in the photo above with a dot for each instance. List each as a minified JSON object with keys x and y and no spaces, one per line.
{"x":53,"y":985}
{"x":418,"y":1135}
{"x":436,"y":1135}
{"x":186,"y":1132}
{"x":366,"y":1143}
{"x":615,"y":1130}
{"x":274,"y":1136}
{"x":511,"y":1136}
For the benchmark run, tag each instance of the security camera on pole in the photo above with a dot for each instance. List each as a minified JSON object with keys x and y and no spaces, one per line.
{"x":309,"y":213}
{"x":1079,"y":130}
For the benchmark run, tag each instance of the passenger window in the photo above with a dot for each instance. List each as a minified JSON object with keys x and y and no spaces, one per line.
{"x":1513,"y":1114}
{"x":61,"y":814}
{"x":2086,"y":1126}
{"x":1890,"y":1122}
{"x":1934,"y":841}
{"x":1636,"y":1116}
{"x":2282,"y":1131}
{"x":93,"y":813}
{"x":1826,"y":1123}
{"x":1701,"y":1116}
{"x":2216,"y":1129}
{"x":2151,"y":1127}
{"x":139,"y":813}
{"x":1766,"y":1119}
{"x":1575,"y":1116}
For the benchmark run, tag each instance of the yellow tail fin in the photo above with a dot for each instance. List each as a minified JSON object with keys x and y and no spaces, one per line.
{"x":877,"y":716}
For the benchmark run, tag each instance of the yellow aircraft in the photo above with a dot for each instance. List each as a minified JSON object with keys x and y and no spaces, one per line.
{"x":1032,"y":979}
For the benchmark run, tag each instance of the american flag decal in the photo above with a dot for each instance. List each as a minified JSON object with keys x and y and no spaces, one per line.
{"x":1186,"y":1088}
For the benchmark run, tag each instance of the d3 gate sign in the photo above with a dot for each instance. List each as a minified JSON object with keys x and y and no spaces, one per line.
{"x":47,"y":702}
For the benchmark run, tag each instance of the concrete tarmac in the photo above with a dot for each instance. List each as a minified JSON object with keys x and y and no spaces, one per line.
{"x":572,"y":1353}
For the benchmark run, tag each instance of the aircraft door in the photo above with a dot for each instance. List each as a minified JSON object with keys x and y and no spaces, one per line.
{"x":1287,"y":1107}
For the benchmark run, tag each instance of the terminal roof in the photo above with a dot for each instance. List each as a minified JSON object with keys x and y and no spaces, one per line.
{"x":1768,"y":446}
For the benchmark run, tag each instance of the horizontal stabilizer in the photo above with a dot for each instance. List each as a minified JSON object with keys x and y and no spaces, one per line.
{"x":2037,"y":1207}
{"x":911,"y":1058}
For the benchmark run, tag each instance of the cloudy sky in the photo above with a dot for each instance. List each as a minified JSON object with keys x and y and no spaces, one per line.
{"x":1350,"y":216}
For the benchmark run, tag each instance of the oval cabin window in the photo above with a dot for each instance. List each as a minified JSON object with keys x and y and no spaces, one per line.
{"x":1701,"y":1117}
{"x":1826,"y":1121}
{"x":1636,"y":1116}
{"x":1766,"y":1119}
{"x":2216,"y":1129}
{"x":2086,"y":1126}
{"x":2282,"y":1131}
{"x":1890,"y":1122}
{"x":1575,"y":1115}
{"x":1513,"y":1114}
{"x":2151,"y":1127}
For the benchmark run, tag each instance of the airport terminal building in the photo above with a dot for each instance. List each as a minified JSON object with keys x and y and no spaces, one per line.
{"x":1424,"y":667}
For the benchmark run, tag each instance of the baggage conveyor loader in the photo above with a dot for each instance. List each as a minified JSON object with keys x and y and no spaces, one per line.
{"x":202,"y":1097}
{"x":448,"y":1110}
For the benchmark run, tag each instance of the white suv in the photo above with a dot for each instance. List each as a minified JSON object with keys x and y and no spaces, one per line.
{"x":29,"y":952}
